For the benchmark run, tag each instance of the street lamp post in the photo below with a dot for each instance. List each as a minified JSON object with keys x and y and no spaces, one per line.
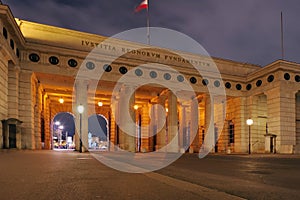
{"x":249,"y":123}
{"x":80,"y":109}
{"x":55,"y":126}
{"x":60,"y":128}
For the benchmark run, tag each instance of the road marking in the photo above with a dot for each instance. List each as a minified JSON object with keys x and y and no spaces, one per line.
{"x":84,"y":158}
{"x":204,"y":192}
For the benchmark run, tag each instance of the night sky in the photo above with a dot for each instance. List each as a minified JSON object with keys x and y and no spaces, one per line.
{"x":97,"y":124}
{"x":241,"y":30}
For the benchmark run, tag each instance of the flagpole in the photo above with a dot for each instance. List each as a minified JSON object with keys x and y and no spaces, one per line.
{"x":148,"y":24}
{"x":282,"y":42}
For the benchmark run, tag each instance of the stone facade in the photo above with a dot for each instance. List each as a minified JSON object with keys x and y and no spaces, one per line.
{"x":40,"y":63}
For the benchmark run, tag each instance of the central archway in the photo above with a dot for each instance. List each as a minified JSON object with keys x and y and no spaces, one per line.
{"x":98,"y":136}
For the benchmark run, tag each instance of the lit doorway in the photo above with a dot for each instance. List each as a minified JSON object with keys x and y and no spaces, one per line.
{"x":63,"y":132}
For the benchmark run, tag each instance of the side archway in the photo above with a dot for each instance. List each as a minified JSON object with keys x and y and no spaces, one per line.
{"x":98,"y":136}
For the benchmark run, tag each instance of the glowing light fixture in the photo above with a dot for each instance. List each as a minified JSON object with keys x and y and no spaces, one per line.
{"x":80,"y":109}
{"x":249,"y":122}
{"x":61,"y":127}
{"x":136,"y":107}
{"x":100,"y":104}
{"x":167,"y":110}
{"x":57,"y":123}
{"x":61,"y":100}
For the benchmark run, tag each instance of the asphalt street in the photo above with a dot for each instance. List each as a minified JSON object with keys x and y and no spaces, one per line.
{"x":71,"y":175}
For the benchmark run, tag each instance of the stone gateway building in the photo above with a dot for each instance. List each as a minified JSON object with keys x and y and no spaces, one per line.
{"x":39,"y":64}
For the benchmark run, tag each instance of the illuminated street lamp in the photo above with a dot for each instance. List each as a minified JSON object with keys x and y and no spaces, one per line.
{"x":249,"y":123}
{"x":80,"y":109}
{"x":60,"y":128}
{"x":55,"y":129}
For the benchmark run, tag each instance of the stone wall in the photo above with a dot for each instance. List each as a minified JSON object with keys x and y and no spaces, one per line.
{"x":3,"y":93}
{"x":259,"y":114}
{"x":13,"y":91}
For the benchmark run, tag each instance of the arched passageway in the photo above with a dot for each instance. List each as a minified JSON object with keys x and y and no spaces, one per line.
{"x":63,"y":131}
{"x":98,"y":136}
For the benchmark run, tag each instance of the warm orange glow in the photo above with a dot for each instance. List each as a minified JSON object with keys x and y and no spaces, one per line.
{"x":100,"y":104}
{"x":167,"y":110}
{"x":136,"y":107}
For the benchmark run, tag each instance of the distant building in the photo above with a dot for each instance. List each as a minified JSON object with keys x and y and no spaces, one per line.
{"x":39,"y":64}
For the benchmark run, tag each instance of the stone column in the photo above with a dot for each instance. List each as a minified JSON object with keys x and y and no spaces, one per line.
{"x":112,"y":130}
{"x":38,"y":115}
{"x":138,"y":129}
{"x":13,"y":97}
{"x":152,"y":129}
{"x":26,"y":109}
{"x":172,"y":123}
{"x":3,"y":93}
{"x":194,"y":134}
{"x":219,"y":119}
{"x":201,"y":123}
{"x":282,"y":117}
{"x":13,"y":92}
{"x":48,"y":136}
{"x":240,"y":127}
{"x":120,"y":120}
{"x":145,"y":128}
{"x":82,"y":99}
{"x":127,"y":124}
{"x":116,"y":112}
{"x":209,"y":142}
{"x":114,"y":121}
{"x":182,"y":128}
{"x":160,"y":123}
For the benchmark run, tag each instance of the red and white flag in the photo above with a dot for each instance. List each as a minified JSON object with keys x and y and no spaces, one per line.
{"x":143,"y":5}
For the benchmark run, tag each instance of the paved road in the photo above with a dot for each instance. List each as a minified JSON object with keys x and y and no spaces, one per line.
{"x":251,"y":177}
{"x":70,"y":175}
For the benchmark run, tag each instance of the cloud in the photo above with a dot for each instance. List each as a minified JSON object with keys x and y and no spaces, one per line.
{"x":246,"y":31}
